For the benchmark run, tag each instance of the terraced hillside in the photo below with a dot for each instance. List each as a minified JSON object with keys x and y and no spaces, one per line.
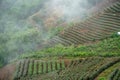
{"x":99,"y":60}
{"x":96,"y":27}
{"x":92,"y":68}
{"x":36,"y":67}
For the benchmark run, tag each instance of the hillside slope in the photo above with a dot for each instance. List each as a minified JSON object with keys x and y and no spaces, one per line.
{"x":87,"y":50}
{"x":96,"y":27}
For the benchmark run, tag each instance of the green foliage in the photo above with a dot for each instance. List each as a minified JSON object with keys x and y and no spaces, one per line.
{"x":23,"y":9}
{"x":107,"y":48}
{"x":114,"y":35}
{"x":17,"y":36}
{"x":54,"y":31}
{"x":1,"y":62}
{"x":102,"y":78}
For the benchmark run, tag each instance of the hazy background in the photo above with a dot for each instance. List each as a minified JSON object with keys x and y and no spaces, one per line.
{"x":17,"y":36}
{"x":26,"y":24}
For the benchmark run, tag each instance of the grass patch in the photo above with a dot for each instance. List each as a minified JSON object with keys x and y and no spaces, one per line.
{"x":108,"y":47}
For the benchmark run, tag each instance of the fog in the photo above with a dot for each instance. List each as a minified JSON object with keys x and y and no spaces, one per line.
{"x":70,"y":9}
{"x":17,"y":36}
{"x":20,"y":33}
